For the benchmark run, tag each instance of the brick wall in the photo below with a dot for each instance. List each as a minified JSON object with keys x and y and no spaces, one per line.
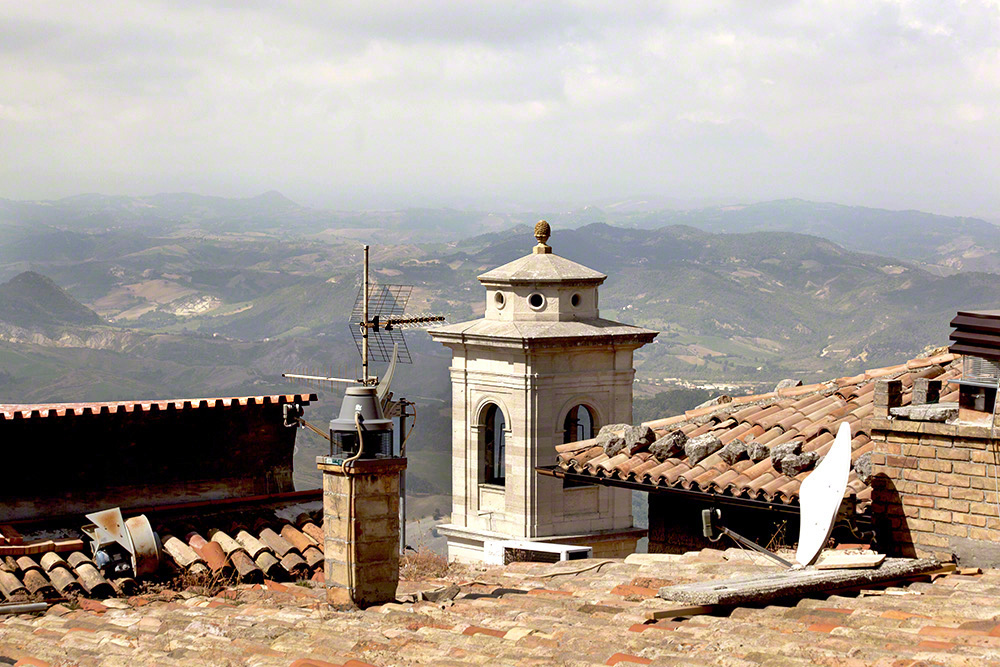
{"x":934,"y":487}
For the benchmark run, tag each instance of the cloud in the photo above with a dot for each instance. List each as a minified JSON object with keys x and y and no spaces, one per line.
{"x":885,"y":103}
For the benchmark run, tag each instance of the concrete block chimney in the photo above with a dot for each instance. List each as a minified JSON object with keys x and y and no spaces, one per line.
{"x":361,"y":530}
{"x":361,"y":504}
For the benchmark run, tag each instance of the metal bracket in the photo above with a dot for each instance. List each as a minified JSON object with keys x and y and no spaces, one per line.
{"x":707,"y":526}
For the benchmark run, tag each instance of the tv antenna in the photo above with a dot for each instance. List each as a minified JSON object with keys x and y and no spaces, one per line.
{"x":377,"y":323}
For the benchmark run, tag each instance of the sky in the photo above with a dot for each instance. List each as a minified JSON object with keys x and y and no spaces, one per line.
{"x":388,"y":104}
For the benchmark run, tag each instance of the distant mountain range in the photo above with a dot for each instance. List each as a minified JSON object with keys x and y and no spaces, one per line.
{"x":755,"y":304}
{"x":943,"y":244}
{"x":951,"y":243}
{"x":182,"y":295}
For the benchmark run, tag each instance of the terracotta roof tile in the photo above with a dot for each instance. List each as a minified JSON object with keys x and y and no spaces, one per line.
{"x":766,"y":421}
{"x":810,"y":413}
{"x":587,"y":619}
{"x":246,"y":556}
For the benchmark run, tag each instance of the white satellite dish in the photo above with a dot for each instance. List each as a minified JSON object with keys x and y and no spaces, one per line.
{"x":821,"y":495}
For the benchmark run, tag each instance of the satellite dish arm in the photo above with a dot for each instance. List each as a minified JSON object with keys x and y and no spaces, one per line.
{"x":383,"y":386}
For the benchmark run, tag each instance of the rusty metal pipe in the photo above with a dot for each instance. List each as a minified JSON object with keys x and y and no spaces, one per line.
{"x":23,"y":608}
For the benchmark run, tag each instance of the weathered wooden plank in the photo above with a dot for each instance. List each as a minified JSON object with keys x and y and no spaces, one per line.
{"x":839,"y":560}
{"x":794,"y":583}
{"x":680,"y":612}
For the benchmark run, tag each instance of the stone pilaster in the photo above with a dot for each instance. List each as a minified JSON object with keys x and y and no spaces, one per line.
{"x":361,"y":528}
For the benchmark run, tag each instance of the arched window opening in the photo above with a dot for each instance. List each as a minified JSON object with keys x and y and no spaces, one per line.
{"x":495,"y":447}
{"x":579,"y":424}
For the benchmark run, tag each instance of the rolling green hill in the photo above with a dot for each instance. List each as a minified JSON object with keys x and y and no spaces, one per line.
{"x":31,"y":300}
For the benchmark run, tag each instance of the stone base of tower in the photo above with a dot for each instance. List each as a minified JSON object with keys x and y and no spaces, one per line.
{"x":468,"y":546}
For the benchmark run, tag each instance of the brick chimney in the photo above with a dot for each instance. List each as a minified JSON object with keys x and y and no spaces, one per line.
{"x":935,"y":464}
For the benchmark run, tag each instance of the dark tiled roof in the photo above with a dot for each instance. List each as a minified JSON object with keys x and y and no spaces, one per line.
{"x":35,"y":410}
{"x":810,"y":413}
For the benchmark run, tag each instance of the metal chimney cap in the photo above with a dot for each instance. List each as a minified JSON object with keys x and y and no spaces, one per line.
{"x":361,"y":399}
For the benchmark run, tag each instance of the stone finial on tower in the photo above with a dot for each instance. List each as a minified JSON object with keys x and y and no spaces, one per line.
{"x":542,"y":233}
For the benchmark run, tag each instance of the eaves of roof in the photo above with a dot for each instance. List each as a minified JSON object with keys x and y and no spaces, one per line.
{"x":504,"y":333}
{"x":42,"y":410}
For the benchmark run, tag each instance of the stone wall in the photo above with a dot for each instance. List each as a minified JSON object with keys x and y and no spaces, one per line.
{"x":361,"y":531}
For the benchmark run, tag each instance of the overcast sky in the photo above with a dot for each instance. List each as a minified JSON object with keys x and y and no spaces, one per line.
{"x":383,"y":104}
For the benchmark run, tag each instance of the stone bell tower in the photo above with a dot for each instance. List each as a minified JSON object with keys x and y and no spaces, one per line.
{"x":539,"y":369}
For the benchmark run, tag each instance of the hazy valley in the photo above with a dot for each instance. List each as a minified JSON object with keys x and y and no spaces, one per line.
{"x":180,"y":295}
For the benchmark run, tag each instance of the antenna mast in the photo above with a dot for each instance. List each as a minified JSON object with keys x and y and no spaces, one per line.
{"x":377,"y":330}
{"x":364,"y":325}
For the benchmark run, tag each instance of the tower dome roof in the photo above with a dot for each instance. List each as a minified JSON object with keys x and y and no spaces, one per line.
{"x":542,"y":268}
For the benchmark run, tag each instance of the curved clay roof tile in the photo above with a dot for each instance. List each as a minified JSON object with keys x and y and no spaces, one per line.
{"x":763,"y":414}
{"x":655,"y":474}
{"x":769,"y":435}
{"x":707,"y":478}
{"x":733,"y":433}
{"x":702,"y":430}
{"x":674,"y":473}
{"x":761,"y":480}
{"x":775,"y":417}
{"x":640,"y":471}
{"x":820,"y":444}
{"x":722,"y":481}
{"x":613,"y":461}
{"x":741,"y":415}
{"x":787,"y":436}
{"x":788,"y":491}
{"x":664,"y":423}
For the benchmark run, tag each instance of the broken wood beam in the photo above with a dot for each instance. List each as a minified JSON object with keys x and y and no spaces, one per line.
{"x":795,"y":583}
{"x":839,"y":560}
{"x":680,"y":612}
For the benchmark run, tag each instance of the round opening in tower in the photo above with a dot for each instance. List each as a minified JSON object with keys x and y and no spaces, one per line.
{"x":536,"y":301}
{"x":499,"y":300}
{"x":575,"y":300}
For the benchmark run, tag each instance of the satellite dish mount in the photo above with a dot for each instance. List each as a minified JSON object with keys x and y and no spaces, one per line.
{"x":820,"y":498}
